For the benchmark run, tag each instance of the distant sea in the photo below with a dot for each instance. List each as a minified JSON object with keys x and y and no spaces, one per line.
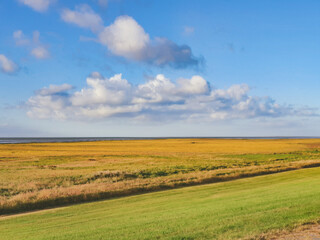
{"x":64,"y":139}
{"x":92,"y":139}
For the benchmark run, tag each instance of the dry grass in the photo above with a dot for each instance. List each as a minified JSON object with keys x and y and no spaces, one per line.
{"x":305,"y":231}
{"x":50,"y":174}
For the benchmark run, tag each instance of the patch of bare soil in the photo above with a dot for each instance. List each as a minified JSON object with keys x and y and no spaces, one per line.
{"x":304,"y":232}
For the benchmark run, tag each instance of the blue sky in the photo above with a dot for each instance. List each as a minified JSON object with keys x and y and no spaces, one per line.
{"x":187,"y":68}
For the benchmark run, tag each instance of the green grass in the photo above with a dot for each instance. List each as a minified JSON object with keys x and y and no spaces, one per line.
{"x":243,"y":208}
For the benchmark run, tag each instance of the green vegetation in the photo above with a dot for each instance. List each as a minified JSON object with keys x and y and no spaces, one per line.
{"x":244,"y":208}
{"x":36,"y":176}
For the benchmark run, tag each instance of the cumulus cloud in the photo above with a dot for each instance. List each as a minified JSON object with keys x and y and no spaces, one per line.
{"x":113,"y":91}
{"x":157,"y":99}
{"x":83,"y":16}
{"x":37,"y":49}
{"x":37,"y":5}
{"x":195,"y":85}
{"x":55,"y":90}
{"x":126,"y":38}
{"x":6,"y":65}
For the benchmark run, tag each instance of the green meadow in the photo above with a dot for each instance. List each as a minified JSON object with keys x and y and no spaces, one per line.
{"x":246,"y":208}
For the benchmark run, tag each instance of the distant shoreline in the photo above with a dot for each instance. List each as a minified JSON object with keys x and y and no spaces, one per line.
{"x":14,"y":140}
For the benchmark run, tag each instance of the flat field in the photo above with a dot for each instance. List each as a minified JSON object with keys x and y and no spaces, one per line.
{"x":42,"y":175}
{"x":246,"y":208}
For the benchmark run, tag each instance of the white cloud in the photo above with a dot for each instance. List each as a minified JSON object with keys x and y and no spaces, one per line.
{"x":40,"y":52}
{"x":195,"y":85}
{"x":50,"y":102}
{"x":126,"y":38}
{"x":37,"y":49}
{"x":20,"y":38}
{"x":54,"y":89}
{"x":48,"y":106}
{"x":160,"y":89}
{"x":157,"y":99}
{"x":37,"y":5}
{"x":83,"y":16}
{"x":6,"y":65}
{"x":112,"y":91}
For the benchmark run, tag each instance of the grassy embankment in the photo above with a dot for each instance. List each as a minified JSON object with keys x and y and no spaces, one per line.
{"x":34,"y":176}
{"x":243,"y":208}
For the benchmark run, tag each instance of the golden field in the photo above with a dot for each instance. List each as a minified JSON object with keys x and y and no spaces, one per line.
{"x":41,"y":175}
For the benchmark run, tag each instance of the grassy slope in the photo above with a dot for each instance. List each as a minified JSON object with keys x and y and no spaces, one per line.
{"x":230,"y":210}
{"x":35,"y":176}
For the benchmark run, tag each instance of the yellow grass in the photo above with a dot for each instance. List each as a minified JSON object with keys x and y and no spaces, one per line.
{"x":47,"y":174}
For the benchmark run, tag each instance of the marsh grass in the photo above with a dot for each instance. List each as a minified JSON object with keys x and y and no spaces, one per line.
{"x":35,"y":176}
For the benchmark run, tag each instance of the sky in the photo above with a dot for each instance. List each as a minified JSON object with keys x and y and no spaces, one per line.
{"x":151,"y":68}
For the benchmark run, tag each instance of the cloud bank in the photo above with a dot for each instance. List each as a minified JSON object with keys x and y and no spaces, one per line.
{"x":6,"y":65}
{"x":158,"y":99}
{"x":127,"y":39}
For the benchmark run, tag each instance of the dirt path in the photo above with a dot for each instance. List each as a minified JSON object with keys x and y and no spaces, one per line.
{"x":305,"y":232}
{"x":4,"y":217}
